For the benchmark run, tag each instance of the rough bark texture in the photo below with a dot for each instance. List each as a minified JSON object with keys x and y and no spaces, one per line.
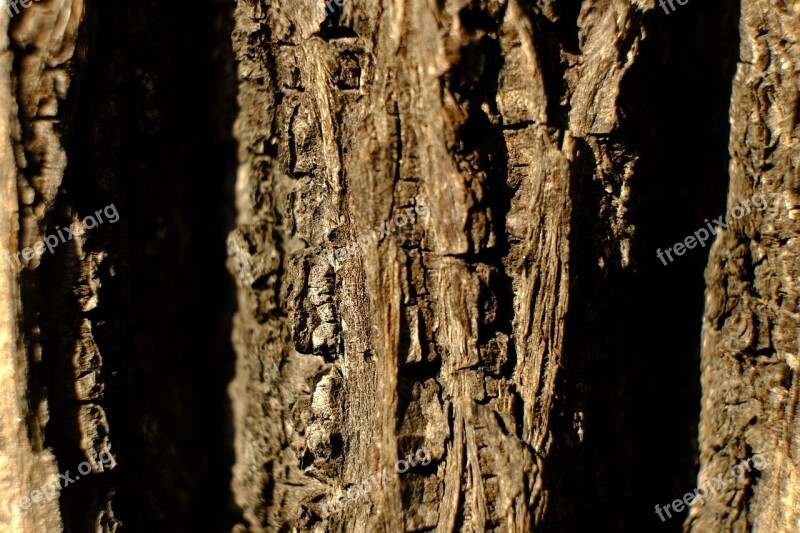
{"x":493,"y":118}
{"x":751,"y":330}
{"x":36,"y":77}
{"x":441,"y":233}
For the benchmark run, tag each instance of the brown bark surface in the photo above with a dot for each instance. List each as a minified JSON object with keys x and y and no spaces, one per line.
{"x":448,"y":333}
{"x":36,"y":76}
{"x":751,"y":332}
{"x":443,"y":309}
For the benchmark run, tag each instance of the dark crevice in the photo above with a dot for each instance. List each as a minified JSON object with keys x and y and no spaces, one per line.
{"x":153,"y":138}
{"x":566,"y":25}
{"x":685,"y":181}
{"x":681,"y":179}
{"x":551,"y":61}
{"x":330,"y":32}
{"x":639,"y":326}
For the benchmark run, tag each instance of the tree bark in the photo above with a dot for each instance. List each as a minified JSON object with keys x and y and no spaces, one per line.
{"x":36,"y":76}
{"x":439,"y":230}
{"x":447,"y":333}
{"x":751,"y":332}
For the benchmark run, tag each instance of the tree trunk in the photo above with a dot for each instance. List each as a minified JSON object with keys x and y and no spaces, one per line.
{"x":443,"y":223}
{"x":35,"y":80}
{"x":751,"y":331}
{"x":444,"y":332}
